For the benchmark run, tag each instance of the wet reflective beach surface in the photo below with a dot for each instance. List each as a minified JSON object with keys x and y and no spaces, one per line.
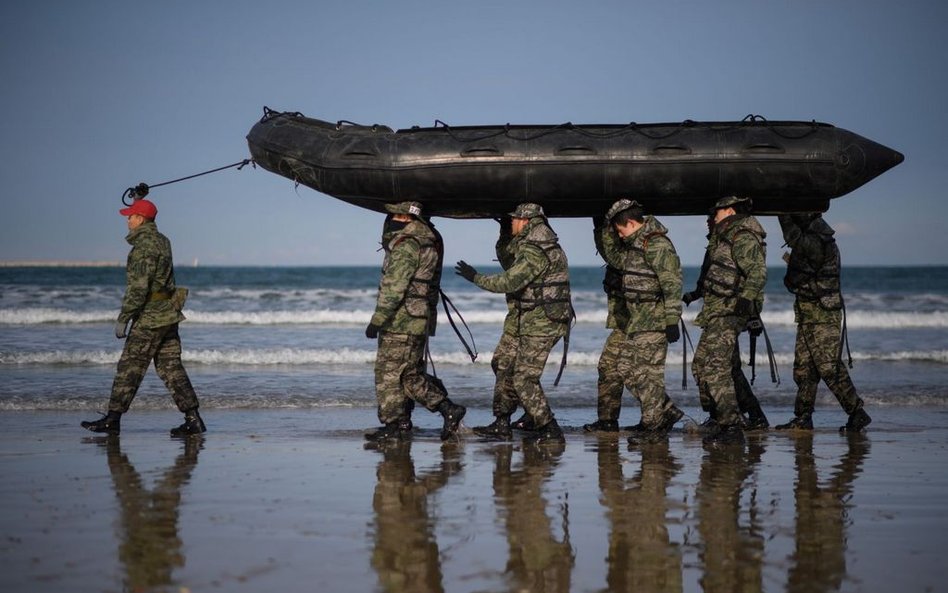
{"x":293,"y":500}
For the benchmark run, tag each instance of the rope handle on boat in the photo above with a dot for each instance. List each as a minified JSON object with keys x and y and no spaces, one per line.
{"x":472,"y":348}
{"x":141,"y":190}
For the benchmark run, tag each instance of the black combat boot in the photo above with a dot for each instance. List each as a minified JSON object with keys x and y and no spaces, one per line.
{"x":756,"y":419}
{"x":669,"y":418}
{"x":801,"y":422}
{"x":192,"y":425}
{"x":391,"y":431}
{"x":857,"y":421}
{"x":727,"y":434}
{"x":499,"y":429}
{"x":635,"y":427}
{"x":659,"y":432}
{"x":548,"y":433}
{"x":452,"y":414}
{"x":602,"y":426}
{"x":524,"y":422}
{"x":109,"y":424}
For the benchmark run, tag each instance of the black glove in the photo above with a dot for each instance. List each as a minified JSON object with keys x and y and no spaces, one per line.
{"x":690,"y":297}
{"x":121,"y":329}
{"x":744,"y":307}
{"x":754,"y":326}
{"x":372,"y":331}
{"x":465,"y":271}
{"x":672,"y":333}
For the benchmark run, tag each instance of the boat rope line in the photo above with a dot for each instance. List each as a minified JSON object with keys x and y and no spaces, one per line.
{"x":141,"y":190}
{"x":472,"y":348}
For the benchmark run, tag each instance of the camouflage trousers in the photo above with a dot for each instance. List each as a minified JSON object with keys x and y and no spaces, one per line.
{"x":642,"y":367}
{"x":163,"y":346}
{"x":518,"y":363}
{"x":713,"y":368}
{"x":610,"y":383}
{"x":400,"y":376}
{"x":815,"y":357}
{"x":747,"y":402}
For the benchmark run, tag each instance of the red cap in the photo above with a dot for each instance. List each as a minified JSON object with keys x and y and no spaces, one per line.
{"x":143,"y":207}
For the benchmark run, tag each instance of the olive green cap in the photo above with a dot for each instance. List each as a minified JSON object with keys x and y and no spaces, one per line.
{"x":732,"y":201}
{"x":413,"y":208}
{"x":527,"y":210}
{"x":621,"y":206}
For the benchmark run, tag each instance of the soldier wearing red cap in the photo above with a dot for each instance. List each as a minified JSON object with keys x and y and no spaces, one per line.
{"x":148,"y":321}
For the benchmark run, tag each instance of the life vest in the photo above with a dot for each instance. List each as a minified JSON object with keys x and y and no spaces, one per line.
{"x":815,"y":277}
{"x":640,"y":283}
{"x":421,"y":296}
{"x":723,"y":277}
{"x":551,"y":289}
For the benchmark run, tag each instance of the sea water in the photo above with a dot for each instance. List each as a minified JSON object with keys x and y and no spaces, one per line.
{"x":269,"y":337}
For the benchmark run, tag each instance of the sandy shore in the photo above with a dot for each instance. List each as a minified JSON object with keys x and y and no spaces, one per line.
{"x":291,"y":500}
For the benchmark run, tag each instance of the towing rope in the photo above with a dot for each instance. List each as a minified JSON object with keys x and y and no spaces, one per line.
{"x":141,"y":190}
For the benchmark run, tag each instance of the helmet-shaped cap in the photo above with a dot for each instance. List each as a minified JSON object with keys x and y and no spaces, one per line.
{"x":527,"y":210}
{"x":623,"y":205}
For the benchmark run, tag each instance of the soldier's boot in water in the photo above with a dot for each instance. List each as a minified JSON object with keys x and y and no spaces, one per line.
{"x":801,"y":422}
{"x":548,"y":433}
{"x":109,"y":424}
{"x":727,"y":434}
{"x":499,"y":429}
{"x":392,"y":431}
{"x":452,"y":414}
{"x":635,"y":427}
{"x":857,"y":421}
{"x":659,"y":432}
{"x":602,"y":426}
{"x":524,"y":422}
{"x":756,"y":419}
{"x":192,"y":425}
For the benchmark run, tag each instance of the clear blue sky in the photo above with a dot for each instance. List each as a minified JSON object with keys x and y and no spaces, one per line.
{"x":98,"y":96}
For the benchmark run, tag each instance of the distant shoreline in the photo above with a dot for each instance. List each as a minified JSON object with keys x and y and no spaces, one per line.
{"x":60,"y":264}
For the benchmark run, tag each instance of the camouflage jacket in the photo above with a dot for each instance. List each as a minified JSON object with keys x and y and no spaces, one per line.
{"x":650,"y":275}
{"x":813,"y":270}
{"x":617,"y":316}
{"x":737,"y":268}
{"x":149,"y":279}
{"x":537,"y":281}
{"x":506,"y":259}
{"x":409,"y":284}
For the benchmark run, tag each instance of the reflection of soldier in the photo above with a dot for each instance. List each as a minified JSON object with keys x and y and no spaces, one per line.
{"x":819,"y":560}
{"x":747,"y":402}
{"x":733,"y":292}
{"x":406,"y":556}
{"x":411,"y":273}
{"x":638,"y":246}
{"x":813,"y":277}
{"x":150,"y":548}
{"x":152,"y":305}
{"x":538,"y":562}
{"x":537,"y":285}
{"x":732,"y":553}
{"x":641,"y":555}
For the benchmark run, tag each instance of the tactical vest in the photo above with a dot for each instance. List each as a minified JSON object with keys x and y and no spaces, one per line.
{"x":640,"y":283}
{"x":551,"y":290}
{"x":723,"y":277}
{"x":816,"y":279}
{"x":421,"y":297}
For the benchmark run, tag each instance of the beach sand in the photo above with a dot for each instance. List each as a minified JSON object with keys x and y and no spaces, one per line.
{"x":292,"y":500}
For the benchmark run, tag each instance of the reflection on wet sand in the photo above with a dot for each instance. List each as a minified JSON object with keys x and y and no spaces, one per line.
{"x":149,"y":547}
{"x":537,"y":561}
{"x":641,"y":556}
{"x":819,"y":561}
{"x":405,"y":555}
{"x":732,"y":553}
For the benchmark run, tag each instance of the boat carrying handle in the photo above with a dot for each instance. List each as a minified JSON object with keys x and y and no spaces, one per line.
{"x":482,"y":151}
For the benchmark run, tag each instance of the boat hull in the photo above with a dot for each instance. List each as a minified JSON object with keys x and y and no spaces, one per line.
{"x":571,"y":170}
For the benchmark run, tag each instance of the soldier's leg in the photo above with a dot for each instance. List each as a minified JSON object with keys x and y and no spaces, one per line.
{"x":532,"y":354}
{"x":645,"y":375}
{"x":717,"y":348}
{"x":169,"y":368}
{"x":747,"y":402}
{"x":805,"y":373}
{"x":139,"y":350}
{"x":699,"y":370}
{"x":416,"y":383}
{"x":392,"y":359}
{"x":610,"y":383}
{"x":505,"y":396}
{"x":825,"y":352}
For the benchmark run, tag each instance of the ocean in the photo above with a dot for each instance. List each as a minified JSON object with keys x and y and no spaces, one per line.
{"x":270,"y":337}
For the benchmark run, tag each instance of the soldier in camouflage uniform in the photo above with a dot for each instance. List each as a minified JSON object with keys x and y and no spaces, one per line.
{"x":733,"y":292}
{"x":638,"y":247}
{"x":537,"y":287}
{"x":152,"y":305}
{"x":752,"y":414}
{"x":813,"y":269}
{"x":410,"y":283}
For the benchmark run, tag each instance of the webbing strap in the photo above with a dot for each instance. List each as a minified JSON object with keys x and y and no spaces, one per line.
{"x":569,"y":327}
{"x":472,"y":349}
{"x":685,"y":342}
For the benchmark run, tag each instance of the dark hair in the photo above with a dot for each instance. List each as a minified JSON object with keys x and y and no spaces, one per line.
{"x":628,"y":214}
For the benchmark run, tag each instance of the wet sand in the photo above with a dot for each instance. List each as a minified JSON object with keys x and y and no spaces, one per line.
{"x":292,"y":500}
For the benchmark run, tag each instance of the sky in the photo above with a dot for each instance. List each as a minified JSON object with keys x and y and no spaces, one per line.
{"x":98,"y":96}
